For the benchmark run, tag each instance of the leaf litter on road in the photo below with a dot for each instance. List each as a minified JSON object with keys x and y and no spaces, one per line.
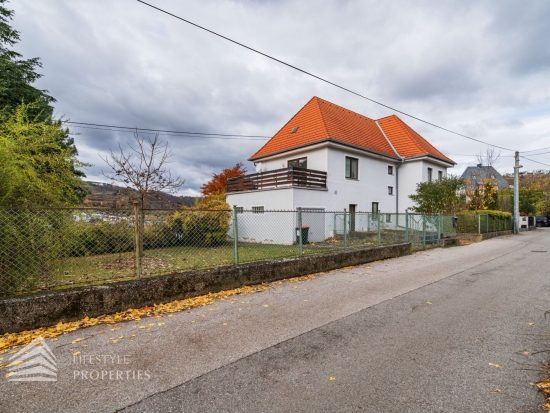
{"x":11,"y":340}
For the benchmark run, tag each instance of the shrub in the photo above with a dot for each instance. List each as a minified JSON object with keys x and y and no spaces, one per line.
{"x":205,"y":224}
{"x":468,"y":220}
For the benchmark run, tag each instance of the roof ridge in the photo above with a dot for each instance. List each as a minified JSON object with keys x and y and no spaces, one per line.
{"x":321,"y":113}
{"x":391,"y":144}
{"x":346,"y":109}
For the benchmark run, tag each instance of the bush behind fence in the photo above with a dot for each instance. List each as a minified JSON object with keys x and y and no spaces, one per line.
{"x":58,"y":248}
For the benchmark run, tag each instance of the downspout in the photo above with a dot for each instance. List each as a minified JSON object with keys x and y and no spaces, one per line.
{"x":397,"y":185}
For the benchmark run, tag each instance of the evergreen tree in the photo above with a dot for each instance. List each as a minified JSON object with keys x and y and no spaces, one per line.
{"x":16,"y":78}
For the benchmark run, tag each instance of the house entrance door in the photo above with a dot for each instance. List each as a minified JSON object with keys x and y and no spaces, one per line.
{"x":352,"y":217}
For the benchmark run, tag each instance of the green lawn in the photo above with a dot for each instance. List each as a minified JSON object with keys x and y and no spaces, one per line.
{"x":105,"y":268}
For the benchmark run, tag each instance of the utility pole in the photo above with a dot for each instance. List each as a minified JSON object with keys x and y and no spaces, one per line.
{"x":516,"y":194}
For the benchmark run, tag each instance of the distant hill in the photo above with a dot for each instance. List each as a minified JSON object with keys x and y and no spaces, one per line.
{"x":113,"y":196}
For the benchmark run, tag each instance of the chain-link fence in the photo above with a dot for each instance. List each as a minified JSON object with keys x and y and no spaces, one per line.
{"x":482,"y":223}
{"x":59,"y":248}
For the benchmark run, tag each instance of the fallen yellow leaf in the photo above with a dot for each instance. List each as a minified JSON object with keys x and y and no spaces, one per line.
{"x":494,"y":365}
{"x":265,"y":305}
{"x":11,"y":340}
{"x":427,"y":302}
{"x":76,"y":341}
{"x":526,"y":353}
{"x":331,"y":379}
{"x":530,"y":324}
{"x":76,"y":354}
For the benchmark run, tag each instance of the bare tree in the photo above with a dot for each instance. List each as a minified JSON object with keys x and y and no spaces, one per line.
{"x":143,"y":168}
{"x":488,"y":159}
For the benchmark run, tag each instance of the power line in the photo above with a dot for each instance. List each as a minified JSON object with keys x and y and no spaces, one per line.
{"x":134,"y":129}
{"x":535,"y":154}
{"x":532,"y":160}
{"x":320,"y":78}
{"x":535,"y":150}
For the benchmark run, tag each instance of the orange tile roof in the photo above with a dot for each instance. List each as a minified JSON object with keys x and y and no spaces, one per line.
{"x":406,"y":141}
{"x":320,"y":120}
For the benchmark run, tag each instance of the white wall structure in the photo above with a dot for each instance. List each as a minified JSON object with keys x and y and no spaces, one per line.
{"x":391,"y":160}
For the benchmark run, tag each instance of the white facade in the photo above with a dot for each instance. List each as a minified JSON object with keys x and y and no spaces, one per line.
{"x":373,"y":184}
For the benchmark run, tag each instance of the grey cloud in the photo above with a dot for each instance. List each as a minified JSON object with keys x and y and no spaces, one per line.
{"x":467,"y":65}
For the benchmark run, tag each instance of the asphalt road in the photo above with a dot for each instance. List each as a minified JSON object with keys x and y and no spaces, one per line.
{"x":445,"y":330}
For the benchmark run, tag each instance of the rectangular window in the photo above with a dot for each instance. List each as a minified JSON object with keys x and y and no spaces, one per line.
{"x":390,"y":170}
{"x":239,"y":210}
{"x":390,"y":190}
{"x":375,"y":207}
{"x":298,"y":163}
{"x":429,"y":174}
{"x":257,"y":209}
{"x":352,"y":168}
{"x":440,"y":175}
{"x":388,"y":217}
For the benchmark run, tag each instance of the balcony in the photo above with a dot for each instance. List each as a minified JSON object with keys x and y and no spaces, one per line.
{"x":279,"y":178}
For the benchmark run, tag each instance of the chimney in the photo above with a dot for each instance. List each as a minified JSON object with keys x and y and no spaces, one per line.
{"x":480,"y":165}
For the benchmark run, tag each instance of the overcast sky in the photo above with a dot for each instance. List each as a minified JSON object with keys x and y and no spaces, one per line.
{"x":481,"y":68}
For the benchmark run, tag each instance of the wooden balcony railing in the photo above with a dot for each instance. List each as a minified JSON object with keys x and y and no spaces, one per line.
{"x":286,"y":177}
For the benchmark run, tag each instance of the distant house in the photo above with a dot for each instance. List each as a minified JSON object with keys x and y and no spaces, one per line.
{"x":476,"y":175}
{"x":327,"y":158}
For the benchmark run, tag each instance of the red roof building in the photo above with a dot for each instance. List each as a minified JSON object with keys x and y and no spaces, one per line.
{"x":330,"y":158}
{"x":321,"y":121}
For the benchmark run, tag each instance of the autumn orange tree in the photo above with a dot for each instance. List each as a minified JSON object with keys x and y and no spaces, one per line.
{"x":216,"y":186}
{"x":482,"y":196}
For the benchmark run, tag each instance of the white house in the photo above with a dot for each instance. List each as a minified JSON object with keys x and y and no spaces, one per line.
{"x":328,"y":158}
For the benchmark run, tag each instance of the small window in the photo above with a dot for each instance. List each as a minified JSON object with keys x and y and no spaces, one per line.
{"x":390,"y":170}
{"x":294,"y":129}
{"x":352,"y":168}
{"x":388,"y":217}
{"x":390,"y":190}
{"x":298,"y":163}
{"x":257,"y":209}
{"x":440,"y":175}
{"x":375,"y":207}
{"x":429,"y":174}
{"x":239,"y":210}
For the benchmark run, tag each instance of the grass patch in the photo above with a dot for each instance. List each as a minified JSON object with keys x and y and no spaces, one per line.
{"x":106,"y":268}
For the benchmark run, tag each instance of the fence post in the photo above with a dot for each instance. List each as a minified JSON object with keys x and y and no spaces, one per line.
{"x":235,"y":235}
{"x":345,"y":230}
{"x":136,"y":241}
{"x":479,"y":224}
{"x":486,"y":223}
{"x":439,"y":227}
{"x":407,"y":225}
{"x":423,"y":230}
{"x":378,"y":222}
{"x":301,"y":243}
